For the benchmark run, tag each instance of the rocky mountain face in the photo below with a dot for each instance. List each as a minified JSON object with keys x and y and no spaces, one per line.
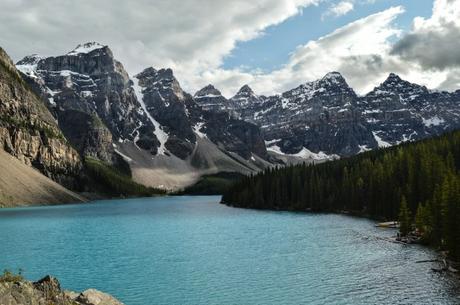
{"x":245,"y":99}
{"x":399,"y":111}
{"x":14,"y":290}
{"x":91,"y":95}
{"x":28,"y":130}
{"x":106,"y":114}
{"x":23,"y":185}
{"x":170,"y":109}
{"x":211,"y":99}
{"x":319,"y":117}
{"x":325,"y":118}
{"x":183,"y":118}
{"x":317,"y":120}
{"x":166,"y":134}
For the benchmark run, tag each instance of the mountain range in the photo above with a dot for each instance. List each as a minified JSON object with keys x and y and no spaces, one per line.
{"x":83,"y":104}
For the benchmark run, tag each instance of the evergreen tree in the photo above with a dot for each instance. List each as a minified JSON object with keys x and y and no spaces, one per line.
{"x":423,"y":222}
{"x":404,"y":218}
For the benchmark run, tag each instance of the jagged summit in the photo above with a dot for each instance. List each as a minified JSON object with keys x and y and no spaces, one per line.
{"x":161,"y":74}
{"x":245,"y":90}
{"x":154,"y":78}
{"x":165,"y":74}
{"x":147,"y":71}
{"x":332,"y":84}
{"x":244,"y":97}
{"x":30,"y":60}
{"x":162,"y":84}
{"x":334,"y":75}
{"x":28,"y":65}
{"x":86,"y":48}
{"x":334,"y":78}
{"x":393,"y":76}
{"x":394,"y":84}
{"x":208,"y":91}
{"x":211,"y":99}
{"x":393,"y":79}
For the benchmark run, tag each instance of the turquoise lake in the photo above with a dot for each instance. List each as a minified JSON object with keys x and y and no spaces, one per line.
{"x":192,"y":250}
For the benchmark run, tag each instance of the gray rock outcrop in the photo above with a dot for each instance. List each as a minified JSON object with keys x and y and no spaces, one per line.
{"x":17,"y":291}
{"x":29,"y":132}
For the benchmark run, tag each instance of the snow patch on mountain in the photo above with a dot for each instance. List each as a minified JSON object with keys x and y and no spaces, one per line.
{"x":320,"y":156}
{"x":363,"y":148}
{"x":304,"y":154}
{"x":159,"y":133}
{"x":28,"y":65}
{"x":125,"y":157}
{"x":434,"y":121}
{"x":269,"y":143}
{"x":381,"y":143}
{"x":198,"y":132}
{"x":86,"y":48}
{"x":208,"y":96}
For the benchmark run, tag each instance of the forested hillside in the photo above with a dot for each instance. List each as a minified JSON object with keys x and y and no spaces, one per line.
{"x":424,"y":175}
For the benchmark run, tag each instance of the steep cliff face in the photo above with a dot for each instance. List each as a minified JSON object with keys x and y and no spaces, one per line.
{"x":29,"y":132}
{"x":211,"y":99}
{"x":324,"y":118}
{"x":399,"y":111}
{"x":161,"y":130}
{"x":318,"y":119}
{"x":193,"y":141}
{"x":172,"y":111}
{"x":91,"y":95}
{"x":234,"y":135}
{"x":148,"y":120}
{"x":184,"y":118}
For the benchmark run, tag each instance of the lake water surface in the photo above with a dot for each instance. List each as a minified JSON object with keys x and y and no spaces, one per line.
{"x":192,"y":250}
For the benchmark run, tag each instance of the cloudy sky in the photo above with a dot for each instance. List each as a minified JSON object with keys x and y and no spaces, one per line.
{"x":272,"y":45}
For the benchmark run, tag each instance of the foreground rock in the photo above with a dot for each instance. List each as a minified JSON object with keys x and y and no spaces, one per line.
{"x":15,"y":291}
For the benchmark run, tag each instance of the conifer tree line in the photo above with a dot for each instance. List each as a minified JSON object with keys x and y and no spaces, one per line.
{"x":418,"y":182}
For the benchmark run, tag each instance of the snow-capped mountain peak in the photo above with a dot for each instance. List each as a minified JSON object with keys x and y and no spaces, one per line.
{"x":28,"y":65}
{"x":395,"y":85}
{"x":86,"y":48}
{"x":30,"y":60}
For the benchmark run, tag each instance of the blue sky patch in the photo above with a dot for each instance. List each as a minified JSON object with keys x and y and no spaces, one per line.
{"x":271,"y":50}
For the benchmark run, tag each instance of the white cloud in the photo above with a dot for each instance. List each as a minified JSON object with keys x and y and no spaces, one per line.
{"x":191,"y":37}
{"x":339,"y":9}
{"x":434,"y":42}
{"x":357,"y":50}
{"x":363,"y":51}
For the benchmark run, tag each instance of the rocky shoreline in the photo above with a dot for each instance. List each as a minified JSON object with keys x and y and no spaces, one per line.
{"x":15,"y":290}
